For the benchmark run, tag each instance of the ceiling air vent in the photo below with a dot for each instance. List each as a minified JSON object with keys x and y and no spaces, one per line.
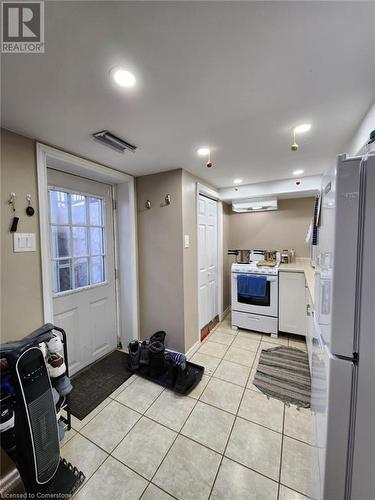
{"x":113,"y":141}
{"x":254,"y":205}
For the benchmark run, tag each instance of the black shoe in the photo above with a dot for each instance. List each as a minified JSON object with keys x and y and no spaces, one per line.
{"x":144,"y":358}
{"x":134,"y":355}
{"x":6,"y":416}
{"x":157,"y":361}
{"x":158,"y":337}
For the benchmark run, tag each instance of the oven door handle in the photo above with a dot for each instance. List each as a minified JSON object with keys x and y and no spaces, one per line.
{"x":269,"y":278}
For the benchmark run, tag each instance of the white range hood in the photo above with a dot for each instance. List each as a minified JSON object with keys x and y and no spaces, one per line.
{"x":254,"y":205}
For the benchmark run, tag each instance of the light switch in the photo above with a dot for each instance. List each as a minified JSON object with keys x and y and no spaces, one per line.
{"x":187,"y":240}
{"x":24,"y":242}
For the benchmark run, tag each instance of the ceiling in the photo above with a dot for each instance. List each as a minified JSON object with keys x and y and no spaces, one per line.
{"x":234,"y":76}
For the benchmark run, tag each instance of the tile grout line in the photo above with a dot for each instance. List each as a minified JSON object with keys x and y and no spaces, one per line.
{"x":109,"y":454}
{"x":281,"y":452}
{"x":179,"y":433}
{"x":231,"y":431}
{"x":112,"y":399}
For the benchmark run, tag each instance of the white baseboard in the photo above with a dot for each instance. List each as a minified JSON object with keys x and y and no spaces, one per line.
{"x":224,"y":313}
{"x":193,"y":349}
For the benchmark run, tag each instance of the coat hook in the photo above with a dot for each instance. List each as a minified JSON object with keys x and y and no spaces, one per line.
{"x":12,"y":201}
{"x":148,"y":204}
{"x":29,"y":209}
{"x":167,"y":199}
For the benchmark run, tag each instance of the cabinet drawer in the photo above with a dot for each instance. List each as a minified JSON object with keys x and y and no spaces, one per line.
{"x":254,"y":322}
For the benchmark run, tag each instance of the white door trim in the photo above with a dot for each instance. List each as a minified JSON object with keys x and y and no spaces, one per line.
{"x":128,"y":319}
{"x":214,"y":195}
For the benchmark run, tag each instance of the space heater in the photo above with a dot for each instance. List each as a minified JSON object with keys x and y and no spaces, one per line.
{"x":37,"y":441}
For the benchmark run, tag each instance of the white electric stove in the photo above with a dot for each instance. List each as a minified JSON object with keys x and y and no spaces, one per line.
{"x":254,"y":313}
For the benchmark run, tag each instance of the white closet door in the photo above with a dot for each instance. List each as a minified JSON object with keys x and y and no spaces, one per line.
{"x":207,"y":245}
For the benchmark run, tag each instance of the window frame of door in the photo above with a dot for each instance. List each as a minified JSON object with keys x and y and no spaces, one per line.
{"x":125,"y":239}
{"x":208,"y":192}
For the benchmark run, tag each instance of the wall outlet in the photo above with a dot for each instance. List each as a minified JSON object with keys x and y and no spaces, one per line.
{"x":24,"y":242}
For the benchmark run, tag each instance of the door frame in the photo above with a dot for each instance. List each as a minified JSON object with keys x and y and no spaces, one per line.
{"x":204,"y":190}
{"x":125,"y":233}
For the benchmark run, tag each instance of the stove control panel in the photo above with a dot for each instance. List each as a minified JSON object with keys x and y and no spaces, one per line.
{"x":251,"y":269}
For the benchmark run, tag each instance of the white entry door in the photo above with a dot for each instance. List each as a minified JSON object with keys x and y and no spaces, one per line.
{"x":207,"y":245}
{"x":83,"y":265}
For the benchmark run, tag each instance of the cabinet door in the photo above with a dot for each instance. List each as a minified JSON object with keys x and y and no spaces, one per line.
{"x":292,"y":303}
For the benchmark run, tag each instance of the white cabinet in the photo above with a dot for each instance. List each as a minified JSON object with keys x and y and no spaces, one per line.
{"x":292,"y":303}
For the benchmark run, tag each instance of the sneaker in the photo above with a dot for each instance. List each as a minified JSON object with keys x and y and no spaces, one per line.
{"x":61,"y":430}
{"x":55,"y":395}
{"x":59,"y":405}
{"x":62,"y":385}
{"x":43,"y":348}
{"x":55,"y":345}
{"x":6,"y":416}
{"x":177,"y":358}
{"x":55,"y":365}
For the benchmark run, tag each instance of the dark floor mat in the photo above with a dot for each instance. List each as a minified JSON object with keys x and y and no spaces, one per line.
{"x":94,"y":384}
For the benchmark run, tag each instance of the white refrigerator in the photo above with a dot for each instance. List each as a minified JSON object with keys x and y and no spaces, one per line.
{"x":343,"y":345}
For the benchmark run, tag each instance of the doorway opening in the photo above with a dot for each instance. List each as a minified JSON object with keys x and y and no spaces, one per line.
{"x":89,"y":253}
{"x":210,"y":260}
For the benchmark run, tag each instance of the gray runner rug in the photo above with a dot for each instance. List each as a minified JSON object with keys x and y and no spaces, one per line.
{"x":283,"y":373}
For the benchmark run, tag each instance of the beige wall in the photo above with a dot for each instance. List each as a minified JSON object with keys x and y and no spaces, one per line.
{"x":21,"y":284}
{"x":168,"y":272}
{"x":160,"y":257}
{"x":190,"y":256}
{"x":283,"y":228}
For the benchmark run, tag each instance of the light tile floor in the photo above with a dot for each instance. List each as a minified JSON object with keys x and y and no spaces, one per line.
{"x":226,"y":440}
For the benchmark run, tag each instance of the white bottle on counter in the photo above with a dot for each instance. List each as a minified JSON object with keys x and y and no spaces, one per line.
{"x":292,"y":255}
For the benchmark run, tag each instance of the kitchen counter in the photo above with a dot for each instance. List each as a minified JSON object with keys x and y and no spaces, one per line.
{"x":302,"y":266}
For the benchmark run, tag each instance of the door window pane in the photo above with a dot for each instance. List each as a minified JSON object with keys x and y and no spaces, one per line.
{"x":97,"y":270}
{"x":60,"y":241}
{"x":62,"y":275}
{"x":96,"y":240}
{"x":79,"y":241}
{"x":95,"y":210}
{"x":78,"y":203}
{"x":59,"y":207}
{"x":81,"y":273}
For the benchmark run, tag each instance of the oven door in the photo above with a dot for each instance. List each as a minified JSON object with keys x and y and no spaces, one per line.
{"x":267,"y":306}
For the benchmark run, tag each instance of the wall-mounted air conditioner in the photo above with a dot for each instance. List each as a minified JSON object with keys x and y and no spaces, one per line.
{"x":254,"y":205}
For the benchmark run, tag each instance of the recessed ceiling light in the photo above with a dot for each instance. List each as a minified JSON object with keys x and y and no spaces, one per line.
{"x":123,"y":77}
{"x":305,"y":127}
{"x":237,"y":181}
{"x":203,"y":152}
{"x":298,"y":172}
